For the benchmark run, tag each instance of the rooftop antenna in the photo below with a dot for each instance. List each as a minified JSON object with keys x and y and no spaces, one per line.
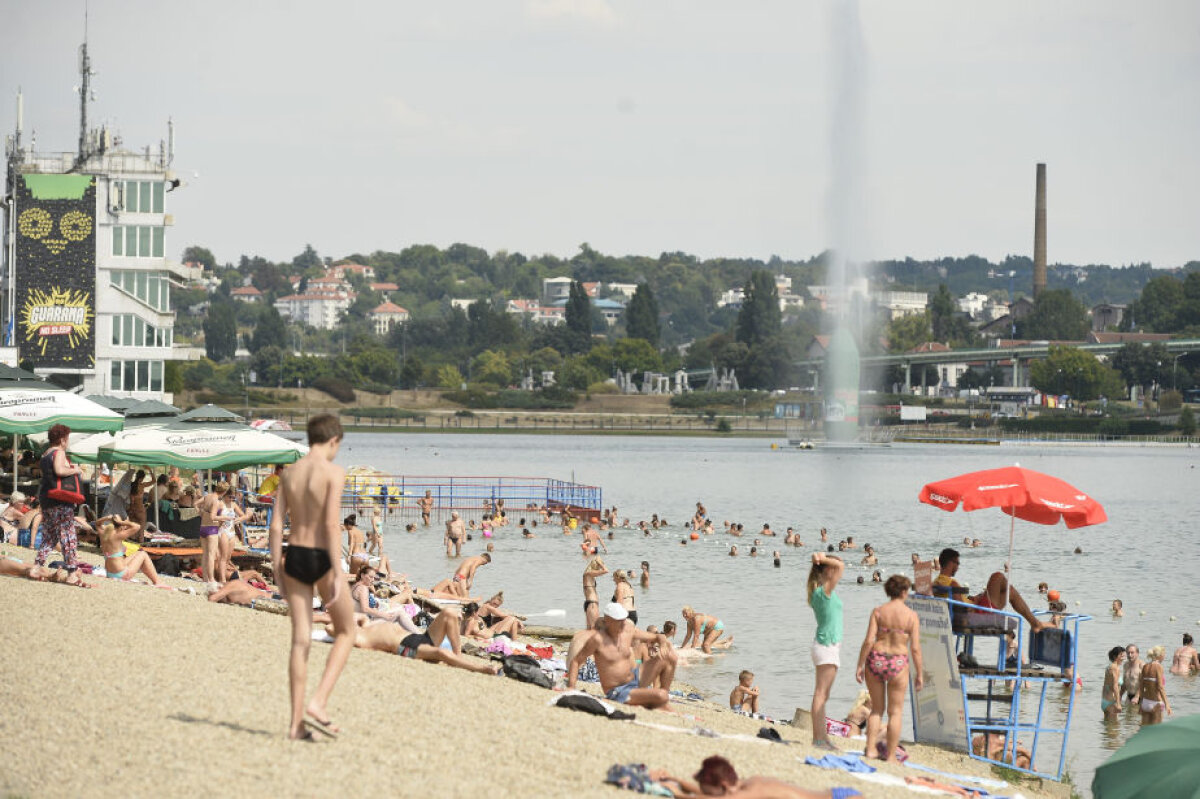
{"x":20,"y":120}
{"x":85,"y":73}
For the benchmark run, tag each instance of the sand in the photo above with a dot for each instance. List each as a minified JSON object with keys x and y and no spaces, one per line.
{"x":130,"y":690}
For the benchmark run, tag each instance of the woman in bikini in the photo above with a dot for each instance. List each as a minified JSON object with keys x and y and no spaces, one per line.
{"x":883,"y":661}
{"x":1154,"y":691}
{"x":113,"y":532}
{"x":473,"y":625}
{"x":375,"y":537}
{"x":703,"y":631}
{"x":137,"y":500}
{"x":591,"y":600}
{"x":623,"y":594}
{"x":230,"y":515}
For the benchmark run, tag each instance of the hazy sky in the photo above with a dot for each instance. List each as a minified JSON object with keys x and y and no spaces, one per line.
{"x":640,"y":126}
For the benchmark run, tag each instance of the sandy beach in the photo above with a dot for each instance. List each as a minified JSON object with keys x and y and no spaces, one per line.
{"x":129,"y":690}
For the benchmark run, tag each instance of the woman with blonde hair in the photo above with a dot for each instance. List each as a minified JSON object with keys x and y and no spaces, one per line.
{"x":623,"y":594}
{"x":703,"y":631}
{"x":883,"y":662}
{"x":591,"y":600}
{"x":1154,"y":690}
{"x":827,"y":644}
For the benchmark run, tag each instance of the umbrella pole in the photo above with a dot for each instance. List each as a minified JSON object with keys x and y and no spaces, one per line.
{"x":16,"y":438}
{"x":157,"y":522}
{"x":1012,"y":524}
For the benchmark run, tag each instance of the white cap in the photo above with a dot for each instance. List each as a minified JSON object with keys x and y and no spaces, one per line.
{"x":616,"y":611}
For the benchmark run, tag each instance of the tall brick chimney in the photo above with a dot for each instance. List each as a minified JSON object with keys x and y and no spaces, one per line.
{"x":1039,"y":234}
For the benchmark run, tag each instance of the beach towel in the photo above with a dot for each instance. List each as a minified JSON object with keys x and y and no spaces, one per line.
{"x":851,"y":762}
{"x":541,"y":652}
{"x":989,"y":783}
{"x":633,"y":777}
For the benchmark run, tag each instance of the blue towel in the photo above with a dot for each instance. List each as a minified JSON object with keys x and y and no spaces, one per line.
{"x":843,"y":793}
{"x":851,"y":763}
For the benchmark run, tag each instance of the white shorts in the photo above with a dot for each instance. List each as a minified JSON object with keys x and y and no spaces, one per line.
{"x":827,"y":654}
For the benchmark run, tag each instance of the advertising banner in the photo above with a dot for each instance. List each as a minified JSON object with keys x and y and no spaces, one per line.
{"x":938,"y":713}
{"x":56,"y":270}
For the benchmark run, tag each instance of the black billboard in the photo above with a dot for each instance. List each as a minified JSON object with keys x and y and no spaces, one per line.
{"x":56,"y":270}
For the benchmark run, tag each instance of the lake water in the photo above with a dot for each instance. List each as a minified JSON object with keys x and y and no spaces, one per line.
{"x":1144,"y":554}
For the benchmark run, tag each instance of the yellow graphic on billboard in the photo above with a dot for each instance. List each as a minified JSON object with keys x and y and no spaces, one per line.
{"x":38,"y":224}
{"x":59,"y":312}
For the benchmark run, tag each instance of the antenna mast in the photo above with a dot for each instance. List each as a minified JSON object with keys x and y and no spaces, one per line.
{"x":85,"y":73}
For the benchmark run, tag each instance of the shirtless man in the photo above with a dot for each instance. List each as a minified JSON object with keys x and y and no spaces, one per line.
{"x":999,"y":593}
{"x":356,"y":543}
{"x":591,"y":540}
{"x":611,"y":645}
{"x":455,"y":533}
{"x":310,"y":496}
{"x":425,"y":503}
{"x":210,"y":506}
{"x":464,"y":575}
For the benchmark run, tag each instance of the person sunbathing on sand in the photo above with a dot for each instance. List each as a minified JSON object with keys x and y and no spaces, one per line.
{"x":240,"y":592}
{"x":41,"y":574}
{"x":473,"y":625}
{"x":611,"y":645}
{"x":717,"y":777}
{"x":114,"y":531}
{"x":386,"y":637}
{"x":996,"y":749}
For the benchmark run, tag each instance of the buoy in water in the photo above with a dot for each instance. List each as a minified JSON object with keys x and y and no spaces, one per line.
{"x":694,"y":536}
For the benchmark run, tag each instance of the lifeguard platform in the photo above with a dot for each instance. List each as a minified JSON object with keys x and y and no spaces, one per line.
{"x":1004,"y":695}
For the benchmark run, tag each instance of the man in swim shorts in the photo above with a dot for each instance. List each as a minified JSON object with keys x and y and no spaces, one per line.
{"x":611,"y":645}
{"x":455,"y":533}
{"x":309,"y":498}
{"x":464,"y":576}
{"x":385,"y":636}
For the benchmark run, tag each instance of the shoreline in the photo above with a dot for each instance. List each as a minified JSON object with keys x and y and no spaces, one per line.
{"x":178,"y":687}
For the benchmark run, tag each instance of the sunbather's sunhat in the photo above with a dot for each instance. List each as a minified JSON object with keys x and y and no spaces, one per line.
{"x":616,"y":611}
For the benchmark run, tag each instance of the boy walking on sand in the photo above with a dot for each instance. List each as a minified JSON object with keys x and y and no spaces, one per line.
{"x":310,"y":496}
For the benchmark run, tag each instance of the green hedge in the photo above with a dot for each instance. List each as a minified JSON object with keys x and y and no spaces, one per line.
{"x":545,"y":399}
{"x":697,"y":400}
{"x":340,"y":390}
{"x":381,"y":413}
{"x":1109,"y":426}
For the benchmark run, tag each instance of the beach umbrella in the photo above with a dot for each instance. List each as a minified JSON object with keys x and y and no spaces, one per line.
{"x":199,"y":446}
{"x":209,"y":414}
{"x":150,"y":412}
{"x":31,"y":406}
{"x":1159,"y":761}
{"x":28,"y":409}
{"x":1021,"y":493}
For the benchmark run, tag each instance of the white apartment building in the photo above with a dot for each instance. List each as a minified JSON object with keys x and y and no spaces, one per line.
{"x":321,"y":310}
{"x":86,"y":279}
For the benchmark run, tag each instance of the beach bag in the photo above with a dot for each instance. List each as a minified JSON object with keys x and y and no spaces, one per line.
{"x":67,"y":489}
{"x":526,"y":669}
{"x":168,"y":564}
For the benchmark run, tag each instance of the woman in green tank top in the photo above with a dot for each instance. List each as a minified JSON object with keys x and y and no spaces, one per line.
{"x":826,"y":649}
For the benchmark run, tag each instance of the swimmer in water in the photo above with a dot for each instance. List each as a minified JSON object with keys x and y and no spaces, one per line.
{"x":733,"y":551}
{"x":1118,"y":608}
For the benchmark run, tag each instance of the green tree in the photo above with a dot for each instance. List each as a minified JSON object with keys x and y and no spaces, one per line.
{"x":759,"y":318}
{"x":307,"y":259}
{"x":641,"y":315}
{"x":1157,"y":308}
{"x":1142,"y":364}
{"x":492,"y":367}
{"x":579,"y":318}
{"x":270,"y":330}
{"x":1187,"y":422}
{"x":1072,"y":371}
{"x":1056,"y":316}
{"x":941,"y":314}
{"x":220,"y":330}
{"x":448,"y":376}
{"x":412,"y":372}
{"x":200,"y":255}
{"x":378,"y":365}
{"x":908,"y":332}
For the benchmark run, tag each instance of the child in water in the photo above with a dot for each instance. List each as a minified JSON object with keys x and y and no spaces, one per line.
{"x":744,"y":696}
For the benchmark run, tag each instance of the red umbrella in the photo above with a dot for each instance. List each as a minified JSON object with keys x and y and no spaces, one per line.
{"x":1021,"y":493}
